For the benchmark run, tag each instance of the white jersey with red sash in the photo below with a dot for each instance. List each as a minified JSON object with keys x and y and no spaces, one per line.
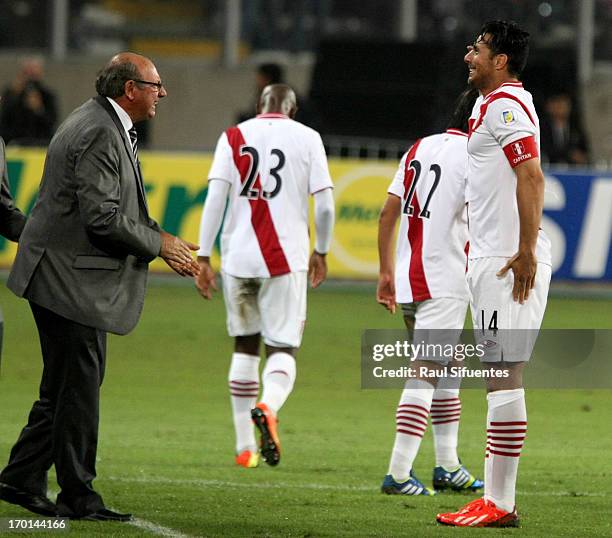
{"x":273,"y":164}
{"x":430,"y":256}
{"x":504,"y":132}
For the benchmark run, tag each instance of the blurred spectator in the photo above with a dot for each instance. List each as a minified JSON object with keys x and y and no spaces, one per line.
{"x":271,"y":73}
{"x":29,"y":110}
{"x":563,"y":140}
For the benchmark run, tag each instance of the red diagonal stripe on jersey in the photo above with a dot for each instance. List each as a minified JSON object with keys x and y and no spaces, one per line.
{"x":409,"y":172}
{"x":495,"y":97}
{"x":416,"y":273}
{"x":261,"y":219}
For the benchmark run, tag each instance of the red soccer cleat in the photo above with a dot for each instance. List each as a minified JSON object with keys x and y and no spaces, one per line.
{"x":247,"y":459}
{"x":480,"y":513}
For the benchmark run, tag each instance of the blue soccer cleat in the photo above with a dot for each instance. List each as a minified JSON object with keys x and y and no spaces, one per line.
{"x":412,"y":486}
{"x":459,"y":479}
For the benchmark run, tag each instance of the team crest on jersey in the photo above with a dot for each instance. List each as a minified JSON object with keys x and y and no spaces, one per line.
{"x":508,"y":117}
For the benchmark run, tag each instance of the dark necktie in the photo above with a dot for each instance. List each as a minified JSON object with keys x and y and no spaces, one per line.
{"x":134,"y":141}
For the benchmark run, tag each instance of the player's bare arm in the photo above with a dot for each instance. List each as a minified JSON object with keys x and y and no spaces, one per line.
{"x":530,"y":200}
{"x":206,"y":281}
{"x":385,"y":292}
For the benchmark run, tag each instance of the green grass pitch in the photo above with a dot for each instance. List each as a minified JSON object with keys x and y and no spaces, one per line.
{"x":166,"y":438}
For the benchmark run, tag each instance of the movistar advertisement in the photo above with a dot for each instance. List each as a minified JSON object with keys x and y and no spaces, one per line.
{"x":577,"y":210}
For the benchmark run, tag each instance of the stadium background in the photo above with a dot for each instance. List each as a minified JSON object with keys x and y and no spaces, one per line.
{"x":381,"y":73}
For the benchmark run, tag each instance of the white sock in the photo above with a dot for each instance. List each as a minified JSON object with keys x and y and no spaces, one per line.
{"x":244,"y":388}
{"x":278,"y":379}
{"x":506,"y":431}
{"x":445,"y":414}
{"x":411,"y":423}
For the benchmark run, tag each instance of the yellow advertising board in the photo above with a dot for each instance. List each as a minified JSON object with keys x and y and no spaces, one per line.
{"x":176,"y":190}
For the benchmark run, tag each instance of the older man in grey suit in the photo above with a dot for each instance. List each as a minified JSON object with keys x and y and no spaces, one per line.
{"x":82,"y":264}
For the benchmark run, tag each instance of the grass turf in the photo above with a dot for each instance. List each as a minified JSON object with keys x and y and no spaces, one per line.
{"x":166,"y":438}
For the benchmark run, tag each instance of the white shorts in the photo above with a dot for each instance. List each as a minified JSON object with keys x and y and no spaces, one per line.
{"x":506,"y":328}
{"x":437,"y":322}
{"x":441,"y":313}
{"x":273,"y":307}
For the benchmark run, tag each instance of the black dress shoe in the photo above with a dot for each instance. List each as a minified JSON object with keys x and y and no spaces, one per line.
{"x":104,"y":514}
{"x":39,"y":504}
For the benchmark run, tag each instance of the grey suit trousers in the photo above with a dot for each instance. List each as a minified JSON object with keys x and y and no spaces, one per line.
{"x":62,"y":426}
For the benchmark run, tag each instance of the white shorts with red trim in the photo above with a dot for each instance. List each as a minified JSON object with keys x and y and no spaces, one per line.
{"x":273,"y":307}
{"x":507,"y":329}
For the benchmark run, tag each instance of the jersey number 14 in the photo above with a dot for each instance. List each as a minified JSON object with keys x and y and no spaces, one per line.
{"x":416,"y":167}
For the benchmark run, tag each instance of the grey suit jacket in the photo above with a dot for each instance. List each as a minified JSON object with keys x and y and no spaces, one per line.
{"x":85,"y":249}
{"x":12,"y":220}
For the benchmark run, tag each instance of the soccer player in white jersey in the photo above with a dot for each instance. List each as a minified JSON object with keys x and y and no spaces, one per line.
{"x":265,"y":168}
{"x":509,"y":259}
{"x":428,"y":280}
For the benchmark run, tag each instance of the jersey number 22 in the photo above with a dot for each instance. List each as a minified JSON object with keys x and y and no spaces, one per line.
{"x":416,"y":167}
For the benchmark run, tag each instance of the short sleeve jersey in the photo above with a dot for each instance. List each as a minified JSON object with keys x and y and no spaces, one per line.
{"x":272,"y":164}
{"x":504,"y":132}
{"x":431,"y":242}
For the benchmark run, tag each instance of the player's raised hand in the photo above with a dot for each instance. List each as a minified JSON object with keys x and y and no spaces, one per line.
{"x":385,"y":291}
{"x":317,"y":269}
{"x":524,"y":266}
{"x":175,"y":249}
{"x":205,"y":281}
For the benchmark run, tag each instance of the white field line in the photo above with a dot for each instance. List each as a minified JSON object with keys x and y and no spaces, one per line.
{"x":144,"y":524}
{"x":301,"y":485}
{"x":156,"y":529}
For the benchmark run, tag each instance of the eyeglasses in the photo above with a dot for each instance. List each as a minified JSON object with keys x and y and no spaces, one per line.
{"x":158,"y":85}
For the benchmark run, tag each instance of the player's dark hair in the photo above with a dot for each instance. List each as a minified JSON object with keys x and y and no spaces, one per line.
{"x":507,"y":38}
{"x":463,"y":110}
{"x":273,"y":72}
{"x":111,"y":79}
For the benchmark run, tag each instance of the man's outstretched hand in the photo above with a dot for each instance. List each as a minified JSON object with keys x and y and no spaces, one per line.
{"x":176,"y":252}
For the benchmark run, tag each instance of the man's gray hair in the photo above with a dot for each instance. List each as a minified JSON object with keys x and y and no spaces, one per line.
{"x":111,"y":80}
